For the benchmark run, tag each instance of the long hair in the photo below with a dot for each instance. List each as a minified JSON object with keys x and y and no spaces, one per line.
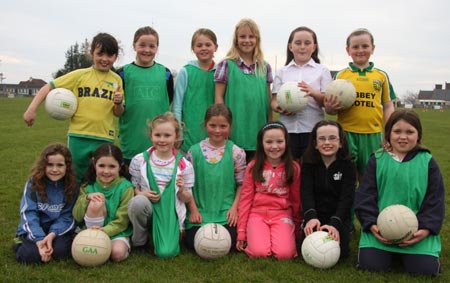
{"x":260,"y":155}
{"x":258,"y":55}
{"x":106,"y":149}
{"x":38,"y":175}
{"x":313,"y":156}
{"x":314,"y":55}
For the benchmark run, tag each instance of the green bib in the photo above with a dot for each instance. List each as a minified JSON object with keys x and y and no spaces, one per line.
{"x":198,"y":97}
{"x":215,"y":187}
{"x":165,"y":228}
{"x":246,"y":96}
{"x":113,"y":195}
{"x":146,"y":97}
{"x":402,"y":183}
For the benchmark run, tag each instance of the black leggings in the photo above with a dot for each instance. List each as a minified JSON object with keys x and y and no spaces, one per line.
{"x":373,"y":259}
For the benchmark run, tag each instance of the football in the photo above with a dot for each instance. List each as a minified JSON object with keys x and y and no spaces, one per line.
{"x":320,"y":250}
{"x":291,"y":98}
{"x":61,"y":103}
{"x":344,"y":90}
{"x":91,"y":247}
{"x":212,"y":241}
{"x":397,"y":223}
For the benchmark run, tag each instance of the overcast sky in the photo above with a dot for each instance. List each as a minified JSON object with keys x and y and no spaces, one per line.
{"x":412,"y":38}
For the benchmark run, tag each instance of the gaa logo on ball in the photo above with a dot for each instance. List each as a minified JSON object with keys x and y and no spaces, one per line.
{"x":91,"y":247}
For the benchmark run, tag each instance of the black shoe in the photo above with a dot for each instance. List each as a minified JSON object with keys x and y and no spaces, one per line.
{"x":142,"y":249}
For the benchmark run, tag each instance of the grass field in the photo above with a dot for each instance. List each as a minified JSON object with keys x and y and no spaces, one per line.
{"x":20,"y":145}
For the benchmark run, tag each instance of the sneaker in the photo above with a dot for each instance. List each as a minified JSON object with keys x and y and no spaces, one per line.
{"x":17,"y":241}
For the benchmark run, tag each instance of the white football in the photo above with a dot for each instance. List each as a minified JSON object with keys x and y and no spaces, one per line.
{"x":91,"y":247}
{"x":320,"y":250}
{"x":344,"y":90}
{"x":61,"y":103}
{"x":291,"y":98}
{"x":212,"y":241}
{"x":397,"y":223}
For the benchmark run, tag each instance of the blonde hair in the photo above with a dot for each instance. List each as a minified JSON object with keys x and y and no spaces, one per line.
{"x":258,"y":55}
{"x":169,"y":117}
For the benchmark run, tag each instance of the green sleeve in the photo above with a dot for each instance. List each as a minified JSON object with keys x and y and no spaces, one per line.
{"x":121,"y":221}
{"x":79,"y":210}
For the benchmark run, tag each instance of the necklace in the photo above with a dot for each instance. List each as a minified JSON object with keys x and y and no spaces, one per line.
{"x":161,"y":162}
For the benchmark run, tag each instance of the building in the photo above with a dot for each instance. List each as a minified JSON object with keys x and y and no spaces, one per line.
{"x":437,"y":98}
{"x":25,"y":88}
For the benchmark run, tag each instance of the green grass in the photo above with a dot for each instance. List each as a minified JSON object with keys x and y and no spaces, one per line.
{"x":20,"y":145}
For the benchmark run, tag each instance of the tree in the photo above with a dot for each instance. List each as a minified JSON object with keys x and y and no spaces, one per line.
{"x":76,"y":57}
{"x":410,"y":97}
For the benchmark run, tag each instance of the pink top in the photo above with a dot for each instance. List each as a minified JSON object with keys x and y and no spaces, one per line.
{"x":273,"y":194}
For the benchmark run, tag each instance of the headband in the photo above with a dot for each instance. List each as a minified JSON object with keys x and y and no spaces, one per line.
{"x":272,"y":125}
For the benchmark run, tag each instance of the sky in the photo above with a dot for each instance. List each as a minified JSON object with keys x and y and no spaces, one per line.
{"x":412,"y":37}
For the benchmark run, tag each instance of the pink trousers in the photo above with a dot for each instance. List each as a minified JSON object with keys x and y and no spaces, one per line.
{"x":271,"y":232}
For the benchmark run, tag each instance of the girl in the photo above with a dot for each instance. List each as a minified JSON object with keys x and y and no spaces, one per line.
{"x":162,"y":179}
{"x":403,"y":173}
{"x":219,"y":167}
{"x":104,"y":198}
{"x":98,"y":92}
{"x":148,"y":87}
{"x":269,"y":206}
{"x":243,"y":80}
{"x":194,"y":88}
{"x":46,"y":224}
{"x":328,"y":183}
{"x":302,"y":66}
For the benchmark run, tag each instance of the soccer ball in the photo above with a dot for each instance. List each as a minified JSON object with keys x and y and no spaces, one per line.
{"x":91,"y":247}
{"x":397,"y":223}
{"x":344,"y":90}
{"x":320,"y":250}
{"x":212,"y":241}
{"x":61,"y":103}
{"x":291,"y":98}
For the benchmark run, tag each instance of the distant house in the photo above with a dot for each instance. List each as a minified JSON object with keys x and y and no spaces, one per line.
{"x":439,"y":97}
{"x":25,"y":88}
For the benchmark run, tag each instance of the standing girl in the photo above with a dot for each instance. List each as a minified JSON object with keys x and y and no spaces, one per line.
{"x":269,"y":207}
{"x":194,"y":88}
{"x":163,"y":180}
{"x":46,"y":224}
{"x":148,"y":88}
{"x":302,"y":66}
{"x":242,"y":81}
{"x":98,"y":92}
{"x":103,"y":200}
{"x":219,"y":167}
{"x":404,"y":173}
{"x":328,"y":183}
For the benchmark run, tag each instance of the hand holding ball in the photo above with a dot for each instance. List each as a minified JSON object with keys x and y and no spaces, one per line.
{"x":61,"y":103}
{"x":291,"y":98}
{"x":344,"y":90}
